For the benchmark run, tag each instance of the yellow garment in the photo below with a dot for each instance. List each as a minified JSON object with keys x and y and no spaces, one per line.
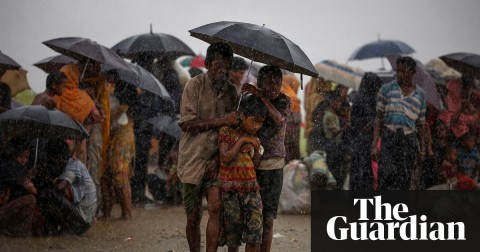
{"x":290,"y":85}
{"x":121,"y":153}
{"x":103,"y":97}
{"x":314,"y":94}
{"x":74,"y":102}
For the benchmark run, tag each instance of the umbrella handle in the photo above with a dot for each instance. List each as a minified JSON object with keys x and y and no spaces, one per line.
{"x":36,"y":153}
{"x":84,"y":70}
{"x":241,"y":94}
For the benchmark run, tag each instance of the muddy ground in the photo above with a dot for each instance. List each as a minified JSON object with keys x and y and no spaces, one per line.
{"x":154,"y":229}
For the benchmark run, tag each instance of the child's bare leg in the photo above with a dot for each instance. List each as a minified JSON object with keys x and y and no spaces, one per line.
{"x":267,"y":235}
{"x":106,"y":197}
{"x":252,"y":247}
{"x":125,"y":193}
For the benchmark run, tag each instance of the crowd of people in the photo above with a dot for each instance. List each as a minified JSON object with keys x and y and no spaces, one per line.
{"x":389,"y":137}
{"x":236,"y":139}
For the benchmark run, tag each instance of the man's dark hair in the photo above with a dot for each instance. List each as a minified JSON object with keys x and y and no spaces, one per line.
{"x":265,"y":71}
{"x":58,"y":154}
{"x":407,"y":61}
{"x":238,"y":64}
{"x":253,"y":106}
{"x":17,"y":145}
{"x":56,"y":77}
{"x":221,"y":49}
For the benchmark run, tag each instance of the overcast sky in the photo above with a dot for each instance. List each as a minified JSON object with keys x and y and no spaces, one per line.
{"x":323,"y":29}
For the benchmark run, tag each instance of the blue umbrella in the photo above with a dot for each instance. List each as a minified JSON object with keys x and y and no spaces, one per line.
{"x":381,"y":48}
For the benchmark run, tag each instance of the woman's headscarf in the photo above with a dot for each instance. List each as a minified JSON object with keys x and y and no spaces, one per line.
{"x":74,"y":102}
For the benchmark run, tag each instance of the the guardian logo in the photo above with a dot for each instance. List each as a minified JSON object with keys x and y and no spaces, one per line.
{"x":391,"y":223}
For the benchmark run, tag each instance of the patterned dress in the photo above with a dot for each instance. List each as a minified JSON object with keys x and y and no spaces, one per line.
{"x":122,"y":146}
{"x":242,"y":205}
{"x":239,"y":174}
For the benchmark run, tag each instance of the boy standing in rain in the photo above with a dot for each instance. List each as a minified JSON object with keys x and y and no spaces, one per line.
{"x":208,"y":103}
{"x":272,"y":136}
{"x":400,"y":119}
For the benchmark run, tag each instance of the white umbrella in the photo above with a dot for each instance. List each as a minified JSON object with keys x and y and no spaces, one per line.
{"x":340,"y":73}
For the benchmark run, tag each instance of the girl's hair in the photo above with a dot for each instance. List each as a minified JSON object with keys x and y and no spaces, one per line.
{"x":16,"y":146}
{"x":253,"y":106}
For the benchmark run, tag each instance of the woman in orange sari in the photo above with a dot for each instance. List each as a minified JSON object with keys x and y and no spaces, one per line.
{"x":74,"y":102}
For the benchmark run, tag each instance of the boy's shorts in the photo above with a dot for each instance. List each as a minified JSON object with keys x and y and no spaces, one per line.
{"x":271,"y":182}
{"x":241,"y":219}
{"x":192,"y":194}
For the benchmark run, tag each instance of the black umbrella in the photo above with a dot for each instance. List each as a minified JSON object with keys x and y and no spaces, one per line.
{"x":257,"y":43}
{"x":36,"y":121}
{"x":139,"y":77}
{"x":54,"y":63}
{"x":153,"y":44}
{"x":86,"y":49}
{"x":166,"y":124}
{"x":466,"y":63}
{"x":7,"y":62}
{"x":381,"y":48}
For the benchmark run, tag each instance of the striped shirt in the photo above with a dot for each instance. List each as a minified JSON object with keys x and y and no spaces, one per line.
{"x":468,"y":161}
{"x":399,"y":111}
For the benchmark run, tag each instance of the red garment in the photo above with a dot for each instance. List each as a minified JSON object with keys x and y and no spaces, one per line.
{"x":239,"y":175}
{"x":464,"y":182}
{"x":454,"y":104}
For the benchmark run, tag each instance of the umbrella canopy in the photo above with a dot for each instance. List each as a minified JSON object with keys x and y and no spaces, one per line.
{"x":36,"y":121}
{"x":381,"y":48}
{"x":86,"y":49}
{"x":340,"y":73}
{"x":465,"y":63}
{"x":440,"y":71}
{"x":425,"y":81}
{"x":153,"y":44}
{"x":257,"y":43}
{"x":139,"y":77}
{"x":54,"y":63}
{"x":16,"y":79}
{"x":190,"y":61}
{"x":7,"y":62}
{"x":166,"y":124}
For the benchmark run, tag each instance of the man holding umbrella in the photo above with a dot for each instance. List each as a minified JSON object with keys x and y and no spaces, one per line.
{"x":208,"y":103}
